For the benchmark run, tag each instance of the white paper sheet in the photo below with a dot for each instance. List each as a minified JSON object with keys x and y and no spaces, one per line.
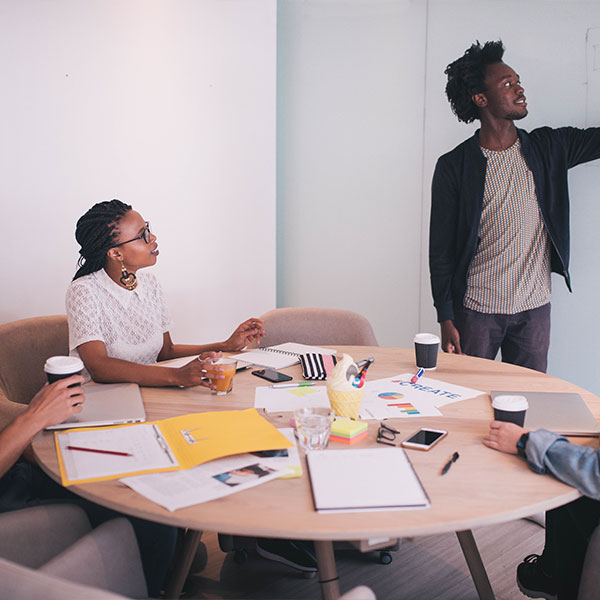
{"x":144,"y":442}
{"x":179,"y":489}
{"x":397,"y":397}
{"x":289,"y":399}
{"x":177,"y":362}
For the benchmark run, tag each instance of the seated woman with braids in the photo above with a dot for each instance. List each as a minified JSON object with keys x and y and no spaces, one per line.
{"x":118,"y":320}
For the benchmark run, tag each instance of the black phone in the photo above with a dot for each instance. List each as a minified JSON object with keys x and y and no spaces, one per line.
{"x":272,"y":375}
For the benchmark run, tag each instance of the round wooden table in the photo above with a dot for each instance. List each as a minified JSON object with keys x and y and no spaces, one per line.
{"x":482,"y":488}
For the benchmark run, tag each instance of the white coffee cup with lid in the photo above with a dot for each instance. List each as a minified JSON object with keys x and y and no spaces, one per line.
{"x":427,"y":347}
{"x":510,"y":408}
{"x":61,"y":367}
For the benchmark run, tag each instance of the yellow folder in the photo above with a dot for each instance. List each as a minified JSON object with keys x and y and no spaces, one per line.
{"x":177,"y":443}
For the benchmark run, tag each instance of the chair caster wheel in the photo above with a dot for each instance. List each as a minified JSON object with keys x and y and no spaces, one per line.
{"x":240,"y":557}
{"x":385,"y":558}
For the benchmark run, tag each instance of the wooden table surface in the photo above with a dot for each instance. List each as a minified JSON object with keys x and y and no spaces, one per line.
{"x":483,"y":487}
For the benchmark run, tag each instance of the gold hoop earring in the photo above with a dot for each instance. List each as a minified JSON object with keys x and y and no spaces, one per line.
{"x":127,"y":279}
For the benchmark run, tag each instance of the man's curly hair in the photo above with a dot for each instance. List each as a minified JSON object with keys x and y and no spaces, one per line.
{"x":466,"y":77}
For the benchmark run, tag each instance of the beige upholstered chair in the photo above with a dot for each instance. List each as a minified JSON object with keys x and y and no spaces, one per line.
{"x":51,"y":552}
{"x":24,"y":347}
{"x":326,"y":326}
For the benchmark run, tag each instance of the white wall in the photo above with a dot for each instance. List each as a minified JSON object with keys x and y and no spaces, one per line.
{"x":362,"y":119}
{"x":350,"y":151}
{"x":166,"y":105}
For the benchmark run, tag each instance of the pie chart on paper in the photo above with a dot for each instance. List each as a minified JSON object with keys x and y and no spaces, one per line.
{"x":391,"y":395}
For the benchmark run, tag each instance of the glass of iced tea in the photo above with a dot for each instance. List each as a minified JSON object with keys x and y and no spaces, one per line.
{"x":223,"y":385}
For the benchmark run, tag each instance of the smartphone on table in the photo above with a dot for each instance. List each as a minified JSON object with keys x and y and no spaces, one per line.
{"x":424,"y":439}
{"x":272,"y":375}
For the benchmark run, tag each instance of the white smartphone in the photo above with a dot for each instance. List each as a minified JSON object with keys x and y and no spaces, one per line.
{"x":424,"y":439}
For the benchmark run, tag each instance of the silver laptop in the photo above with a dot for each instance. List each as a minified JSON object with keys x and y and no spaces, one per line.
{"x":563,"y":413}
{"x":108,"y":404}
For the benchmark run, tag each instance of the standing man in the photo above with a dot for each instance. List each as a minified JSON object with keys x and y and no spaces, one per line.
{"x":500,"y":216}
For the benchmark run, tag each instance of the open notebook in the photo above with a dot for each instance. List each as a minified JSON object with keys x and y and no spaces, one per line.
{"x":280,"y":356}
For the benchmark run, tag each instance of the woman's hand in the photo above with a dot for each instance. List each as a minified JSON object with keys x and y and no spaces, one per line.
{"x":197,"y":371}
{"x":504,"y":436}
{"x":56,"y":402}
{"x":245,"y":333}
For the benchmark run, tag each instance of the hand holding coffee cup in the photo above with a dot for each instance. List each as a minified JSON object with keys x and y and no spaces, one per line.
{"x":427,"y":347}
{"x":510,"y":409}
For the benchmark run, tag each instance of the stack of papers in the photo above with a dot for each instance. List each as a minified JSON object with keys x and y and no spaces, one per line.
{"x":178,"y":443}
{"x":218,"y":478}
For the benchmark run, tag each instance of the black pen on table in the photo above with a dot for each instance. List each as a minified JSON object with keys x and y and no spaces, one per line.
{"x":447,"y":466}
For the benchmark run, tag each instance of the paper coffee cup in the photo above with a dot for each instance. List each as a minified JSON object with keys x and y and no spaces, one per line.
{"x":427,"y":346}
{"x":511,"y":409}
{"x":61,"y":367}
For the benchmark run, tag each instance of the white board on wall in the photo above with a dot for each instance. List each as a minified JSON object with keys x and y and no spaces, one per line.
{"x":166,"y":105}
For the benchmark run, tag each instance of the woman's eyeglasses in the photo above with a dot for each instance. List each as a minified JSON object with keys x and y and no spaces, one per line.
{"x":386,"y":434}
{"x":143,"y":236}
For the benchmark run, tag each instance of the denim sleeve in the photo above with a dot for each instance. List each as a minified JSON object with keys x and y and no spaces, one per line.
{"x":575,"y":465}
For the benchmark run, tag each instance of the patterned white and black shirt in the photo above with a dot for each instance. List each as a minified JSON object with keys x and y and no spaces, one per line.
{"x":510,"y":271}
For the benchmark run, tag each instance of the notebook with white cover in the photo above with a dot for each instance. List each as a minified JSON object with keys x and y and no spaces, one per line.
{"x":280,"y":356}
{"x":371,"y":479}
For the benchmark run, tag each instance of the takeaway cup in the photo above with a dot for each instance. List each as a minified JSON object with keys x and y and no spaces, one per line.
{"x":61,"y":367}
{"x":427,"y":346}
{"x":511,"y":409}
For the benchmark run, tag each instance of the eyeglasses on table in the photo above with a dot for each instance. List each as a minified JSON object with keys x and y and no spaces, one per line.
{"x":386,"y":434}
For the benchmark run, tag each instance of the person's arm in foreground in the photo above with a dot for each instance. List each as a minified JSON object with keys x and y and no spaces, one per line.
{"x":547,"y":452}
{"x":51,"y":405}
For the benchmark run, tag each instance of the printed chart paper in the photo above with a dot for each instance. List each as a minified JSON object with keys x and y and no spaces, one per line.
{"x":397,"y":397}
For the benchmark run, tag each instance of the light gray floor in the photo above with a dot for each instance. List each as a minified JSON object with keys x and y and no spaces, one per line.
{"x":426,"y":568}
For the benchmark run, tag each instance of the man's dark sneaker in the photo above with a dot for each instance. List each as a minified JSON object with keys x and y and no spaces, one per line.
{"x":293,"y":554}
{"x":532,"y":581}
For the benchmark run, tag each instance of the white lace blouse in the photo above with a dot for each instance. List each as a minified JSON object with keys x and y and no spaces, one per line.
{"x":130,"y":323}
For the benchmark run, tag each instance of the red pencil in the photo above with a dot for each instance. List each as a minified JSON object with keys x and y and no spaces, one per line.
{"x":100,"y":451}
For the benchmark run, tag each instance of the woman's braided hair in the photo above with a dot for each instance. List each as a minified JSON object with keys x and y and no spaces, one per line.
{"x":96,"y":233}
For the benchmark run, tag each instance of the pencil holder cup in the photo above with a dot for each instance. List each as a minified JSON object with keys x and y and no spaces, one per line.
{"x":346,"y":403}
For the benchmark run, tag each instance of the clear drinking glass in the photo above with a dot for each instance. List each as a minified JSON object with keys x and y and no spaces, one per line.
{"x":225,"y":385}
{"x":313,"y":426}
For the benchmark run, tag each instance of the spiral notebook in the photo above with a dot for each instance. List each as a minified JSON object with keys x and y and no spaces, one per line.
{"x":280,"y":356}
